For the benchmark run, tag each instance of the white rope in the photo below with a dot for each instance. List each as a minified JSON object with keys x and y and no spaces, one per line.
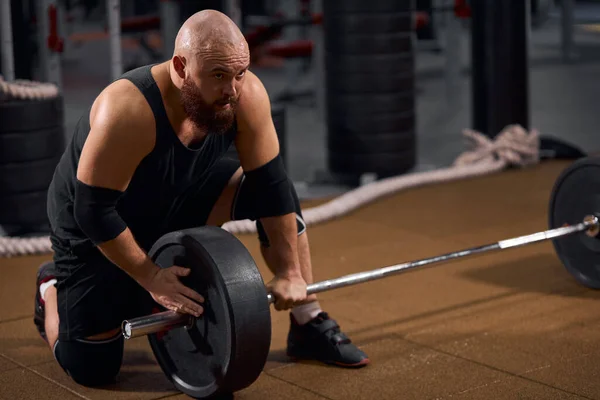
{"x":26,"y":90}
{"x":513,"y":147}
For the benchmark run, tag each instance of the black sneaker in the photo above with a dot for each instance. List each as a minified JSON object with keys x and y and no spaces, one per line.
{"x":321,"y":339}
{"x":44,"y":274}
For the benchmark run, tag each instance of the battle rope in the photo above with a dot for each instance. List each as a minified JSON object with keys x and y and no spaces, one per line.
{"x":513,"y":147}
{"x":26,"y":90}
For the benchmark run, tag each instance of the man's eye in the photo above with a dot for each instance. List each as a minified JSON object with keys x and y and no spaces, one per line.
{"x":219,"y":76}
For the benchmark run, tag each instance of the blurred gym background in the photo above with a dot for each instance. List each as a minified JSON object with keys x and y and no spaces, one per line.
{"x":361,"y":90}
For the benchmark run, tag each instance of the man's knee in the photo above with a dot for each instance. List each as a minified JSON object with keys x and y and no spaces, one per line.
{"x":221,"y":211}
{"x":91,"y":363}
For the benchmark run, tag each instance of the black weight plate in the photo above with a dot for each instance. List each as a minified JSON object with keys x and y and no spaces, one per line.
{"x":339,"y":25}
{"x":31,"y":115}
{"x":27,"y":176}
{"x":390,"y":43}
{"x":361,"y":123}
{"x":23,"y":209}
{"x":371,"y":83}
{"x":226,"y":348}
{"x":31,"y":145}
{"x":371,"y":104}
{"x":383,"y":164}
{"x":346,"y":142}
{"x":366,"y":7}
{"x":576,"y":194}
{"x":385,"y":64}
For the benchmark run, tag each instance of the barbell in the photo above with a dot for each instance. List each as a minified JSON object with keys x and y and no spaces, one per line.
{"x":225,"y":349}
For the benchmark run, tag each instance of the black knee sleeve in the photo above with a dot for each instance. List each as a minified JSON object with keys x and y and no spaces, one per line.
{"x":91,"y":363}
{"x":282,"y":196}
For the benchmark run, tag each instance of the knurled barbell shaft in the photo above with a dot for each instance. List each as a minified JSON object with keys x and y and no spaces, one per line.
{"x":170,"y":319}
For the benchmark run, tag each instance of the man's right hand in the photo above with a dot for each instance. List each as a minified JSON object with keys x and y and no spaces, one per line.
{"x":168,"y":291}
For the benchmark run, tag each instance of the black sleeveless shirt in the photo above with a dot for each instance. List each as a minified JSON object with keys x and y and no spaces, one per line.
{"x":166,"y":173}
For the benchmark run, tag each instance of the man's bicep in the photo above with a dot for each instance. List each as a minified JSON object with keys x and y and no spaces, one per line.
{"x":113,"y":149}
{"x":257,"y":142}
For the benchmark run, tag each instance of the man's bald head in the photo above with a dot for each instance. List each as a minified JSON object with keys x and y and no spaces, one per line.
{"x":207,"y":32}
{"x":209,"y":64}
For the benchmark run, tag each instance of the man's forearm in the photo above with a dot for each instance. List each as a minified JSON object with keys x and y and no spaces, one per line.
{"x":282,"y":232}
{"x":124,"y":252}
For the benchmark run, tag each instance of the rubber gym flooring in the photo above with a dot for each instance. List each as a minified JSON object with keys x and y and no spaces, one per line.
{"x":504,"y":325}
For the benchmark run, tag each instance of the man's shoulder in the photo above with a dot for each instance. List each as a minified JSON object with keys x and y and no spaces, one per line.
{"x":122,"y":103}
{"x":254,"y":89}
{"x":122,"y":120}
{"x":122,"y":93}
{"x":253,"y":98}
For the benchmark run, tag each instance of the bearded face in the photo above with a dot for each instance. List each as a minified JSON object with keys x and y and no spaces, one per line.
{"x":215,"y":117}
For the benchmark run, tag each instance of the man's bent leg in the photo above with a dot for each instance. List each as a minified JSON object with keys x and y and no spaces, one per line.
{"x":48,"y":302}
{"x":313,"y":334}
{"x":232,"y":202}
{"x":221,"y":210}
{"x":93,"y":361}
{"x":209,"y":203}
{"x":80,"y":316}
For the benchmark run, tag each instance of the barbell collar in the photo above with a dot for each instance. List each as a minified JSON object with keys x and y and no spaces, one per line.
{"x":167,"y":320}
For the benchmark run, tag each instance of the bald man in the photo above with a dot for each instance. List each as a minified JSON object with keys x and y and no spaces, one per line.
{"x":146,"y":159}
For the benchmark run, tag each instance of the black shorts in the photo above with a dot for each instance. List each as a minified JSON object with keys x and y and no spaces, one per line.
{"x":95,"y":296}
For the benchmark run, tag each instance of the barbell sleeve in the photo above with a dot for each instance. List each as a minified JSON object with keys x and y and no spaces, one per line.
{"x":167,"y":320}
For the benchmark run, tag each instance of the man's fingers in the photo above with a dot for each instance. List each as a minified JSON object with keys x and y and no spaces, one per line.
{"x":190,"y":293}
{"x":170,"y":305}
{"x":278,"y":303}
{"x":180,"y":271}
{"x":189,"y":306}
{"x":283,"y":304}
{"x":189,"y":310}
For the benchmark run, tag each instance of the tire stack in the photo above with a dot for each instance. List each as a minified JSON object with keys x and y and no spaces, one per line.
{"x":278,"y":116}
{"x":31,"y":143}
{"x":370,"y":90}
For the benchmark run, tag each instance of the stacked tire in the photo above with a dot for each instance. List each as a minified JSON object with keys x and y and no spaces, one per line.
{"x":370,"y":91}
{"x":31,"y":144}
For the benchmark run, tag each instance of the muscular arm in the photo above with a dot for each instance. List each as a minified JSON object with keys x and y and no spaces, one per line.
{"x":122,"y":134}
{"x":257,"y":144}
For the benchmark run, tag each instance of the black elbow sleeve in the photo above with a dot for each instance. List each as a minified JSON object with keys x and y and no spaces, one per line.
{"x":95,"y":211}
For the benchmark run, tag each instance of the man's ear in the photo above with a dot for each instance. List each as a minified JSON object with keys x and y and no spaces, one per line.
{"x":179,"y":64}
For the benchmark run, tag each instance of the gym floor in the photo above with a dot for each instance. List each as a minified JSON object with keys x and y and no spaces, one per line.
{"x":505,"y":325}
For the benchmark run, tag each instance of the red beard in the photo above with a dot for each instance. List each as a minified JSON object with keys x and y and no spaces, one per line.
{"x":204,"y":115}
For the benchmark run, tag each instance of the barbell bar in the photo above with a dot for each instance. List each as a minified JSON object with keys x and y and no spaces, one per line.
{"x":167,"y":320}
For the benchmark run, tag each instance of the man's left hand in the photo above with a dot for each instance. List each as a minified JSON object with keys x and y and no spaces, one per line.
{"x":288,"y":291}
